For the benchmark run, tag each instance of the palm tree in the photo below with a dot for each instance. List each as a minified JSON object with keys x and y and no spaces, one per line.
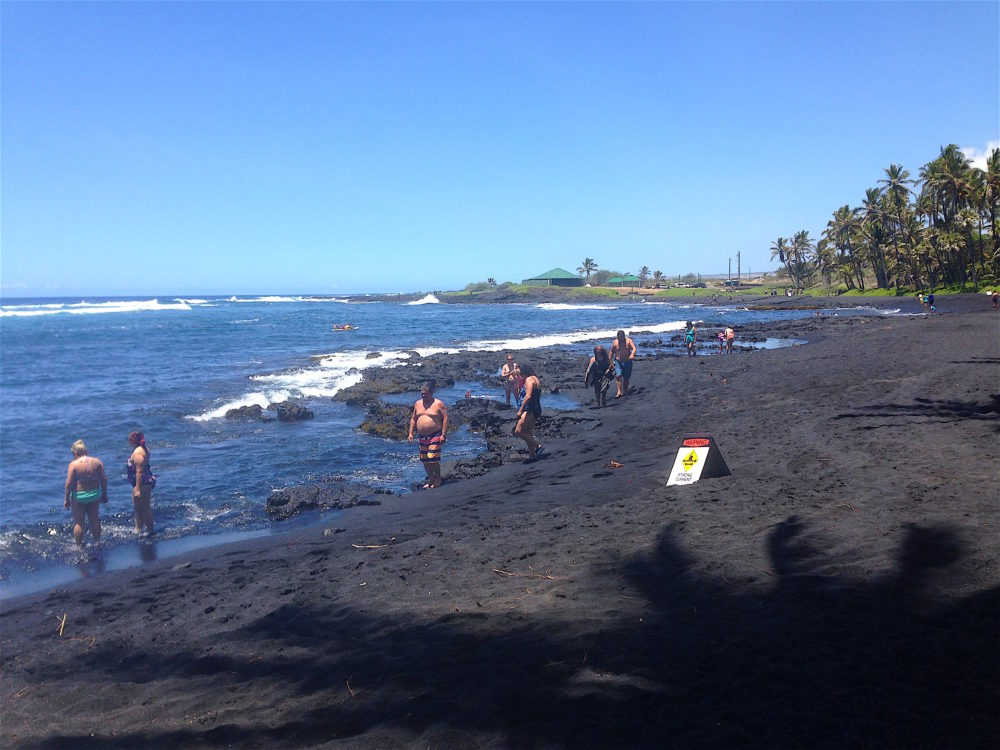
{"x":802,"y":248}
{"x":843,"y":231}
{"x":991,"y":198}
{"x":657,"y":278}
{"x":588,"y":267}
{"x":779,"y":250}
{"x":897,"y":194}
{"x":491,"y":282}
{"x":874,"y":226}
{"x":643,"y":276}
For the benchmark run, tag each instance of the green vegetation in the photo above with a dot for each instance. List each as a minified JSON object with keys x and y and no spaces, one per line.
{"x":907,"y":235}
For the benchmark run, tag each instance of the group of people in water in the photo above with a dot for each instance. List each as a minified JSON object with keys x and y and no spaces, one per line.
{"x":87,"y":488}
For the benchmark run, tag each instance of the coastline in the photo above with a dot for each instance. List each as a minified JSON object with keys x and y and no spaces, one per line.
{"x":566,"y":603}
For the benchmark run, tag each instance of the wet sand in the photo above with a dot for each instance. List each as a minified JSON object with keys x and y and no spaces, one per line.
{"x":840,"y":589}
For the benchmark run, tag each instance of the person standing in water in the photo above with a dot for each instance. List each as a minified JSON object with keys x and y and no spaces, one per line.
{"x":430,"y":420}
{"x":690,"y":337}
{"x":622,"y":355}
{"x":510,"y":374}
{"x":86,"y":487}
{"x":140,"y":476}
{"x":529,"y":412}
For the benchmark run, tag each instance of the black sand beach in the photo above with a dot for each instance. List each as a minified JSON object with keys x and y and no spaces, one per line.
{"x":840,"y":589}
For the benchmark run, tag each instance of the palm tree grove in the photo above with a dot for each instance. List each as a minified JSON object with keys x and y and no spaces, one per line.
{"x":935,"y":231}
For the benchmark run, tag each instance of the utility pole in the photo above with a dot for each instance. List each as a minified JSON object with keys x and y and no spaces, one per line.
{"x":730,"y":275}
{"x":738,"y":282}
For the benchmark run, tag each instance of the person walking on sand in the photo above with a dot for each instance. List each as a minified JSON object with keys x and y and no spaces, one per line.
{"x":690,"y":336}
{"x":730,"y":337}
{"x":529,"y":412}
{"x":140,"y":476}
{"x":430,"y":420}
{"x":510,"y":374}
{"x":600,"y":373}
{"x":86,"y":488}
{"x":722,"y":341}
{"x":622,"y":355}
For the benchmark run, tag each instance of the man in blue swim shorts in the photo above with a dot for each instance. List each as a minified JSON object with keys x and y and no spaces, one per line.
{"x":430,"y":420}
{"x":622,"y":355}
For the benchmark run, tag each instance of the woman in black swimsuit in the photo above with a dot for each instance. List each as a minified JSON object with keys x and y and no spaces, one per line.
{"x":531,"y":409}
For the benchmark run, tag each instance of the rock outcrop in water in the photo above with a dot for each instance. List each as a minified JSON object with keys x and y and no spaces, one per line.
{"x":335,"y":494}
{"x":248,"y":414}
{"x":289,"y":411}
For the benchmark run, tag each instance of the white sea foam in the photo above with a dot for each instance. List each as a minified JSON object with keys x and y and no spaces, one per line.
{"x":330,"y":373}
{"x":566,"y":306}
{"x":91,"y":308}
{"x":276,"y":299}
{"x":191,"y":301}
{"x":429,"y":299}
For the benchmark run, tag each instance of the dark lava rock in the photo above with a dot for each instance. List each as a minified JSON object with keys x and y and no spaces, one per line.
{"x":247,"y":414}
{"x":335,"y":494}
{"x":289,"y":411}
{"x":389,"y":421}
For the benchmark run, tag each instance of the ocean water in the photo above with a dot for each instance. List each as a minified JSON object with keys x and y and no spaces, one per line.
{"x":97,"y":369}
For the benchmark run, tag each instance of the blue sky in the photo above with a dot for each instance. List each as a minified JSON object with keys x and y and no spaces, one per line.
{"x":215,"y":148}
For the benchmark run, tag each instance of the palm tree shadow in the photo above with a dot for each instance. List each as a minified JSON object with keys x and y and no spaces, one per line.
{"x":795,"y":655}
{"x":934,"y":410}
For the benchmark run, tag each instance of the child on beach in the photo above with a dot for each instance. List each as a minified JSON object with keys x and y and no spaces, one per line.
{"x":690,"y":335}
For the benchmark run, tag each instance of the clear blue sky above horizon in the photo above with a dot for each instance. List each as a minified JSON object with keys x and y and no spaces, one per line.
{"x":216,"y":148}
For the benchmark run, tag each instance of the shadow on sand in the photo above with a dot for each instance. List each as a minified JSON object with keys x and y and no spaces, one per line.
{"x":797,"y":659}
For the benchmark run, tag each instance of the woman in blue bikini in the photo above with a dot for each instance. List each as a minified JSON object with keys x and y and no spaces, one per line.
{"x":86,"y":487}
{"x":140,"y":476}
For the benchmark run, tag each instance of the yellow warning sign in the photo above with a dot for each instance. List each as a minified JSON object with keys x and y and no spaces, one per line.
{"x":690,"y":460}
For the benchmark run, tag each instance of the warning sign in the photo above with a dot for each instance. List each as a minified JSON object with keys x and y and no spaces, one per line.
{"x":698,"y":457}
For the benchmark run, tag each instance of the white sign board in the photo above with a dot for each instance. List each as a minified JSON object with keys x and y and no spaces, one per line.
{"x":689,"y":464}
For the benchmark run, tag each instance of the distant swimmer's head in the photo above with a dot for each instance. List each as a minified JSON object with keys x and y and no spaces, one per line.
{"x":79,"y":448}
{"x":136,"y":439}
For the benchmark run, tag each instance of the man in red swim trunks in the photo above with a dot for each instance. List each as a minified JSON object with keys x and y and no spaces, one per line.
{"x":430,"y":420}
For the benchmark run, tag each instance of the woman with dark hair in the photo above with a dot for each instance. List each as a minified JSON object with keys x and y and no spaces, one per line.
{"x":140,"y":476}
{"x":600,"y":373}
{"x":530,"y":410}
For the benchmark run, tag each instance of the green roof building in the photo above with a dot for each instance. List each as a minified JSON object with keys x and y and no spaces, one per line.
{"x":623,"y":281}
{"x":555,"y":277}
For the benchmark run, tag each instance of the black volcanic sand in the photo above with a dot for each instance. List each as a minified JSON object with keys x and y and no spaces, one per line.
{"x":839,"y":590}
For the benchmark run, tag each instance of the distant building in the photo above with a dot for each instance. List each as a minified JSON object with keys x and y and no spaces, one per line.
{"x":555,"y":277}
{"x":623,"y":281}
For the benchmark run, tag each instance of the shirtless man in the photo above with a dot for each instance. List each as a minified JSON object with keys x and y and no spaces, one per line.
{"x":511,"y":377}
{"x":430,"y":420}
{"x":622,"y":356}
{"x":86,"y":484}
